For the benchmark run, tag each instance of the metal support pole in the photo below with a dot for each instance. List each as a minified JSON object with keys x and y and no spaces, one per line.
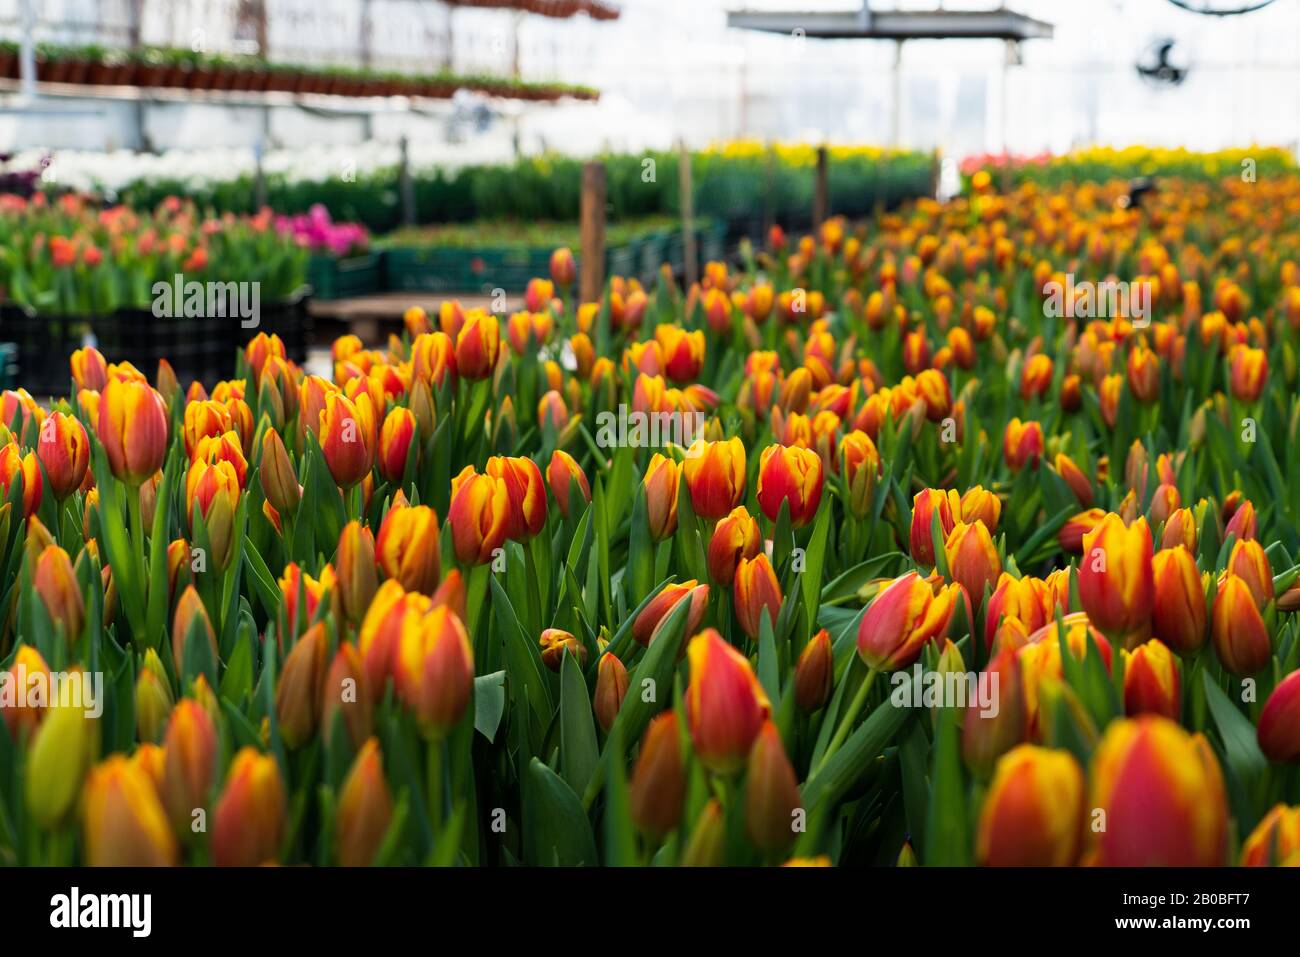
{"x":896,"y":104}
{"x":27,"y":54}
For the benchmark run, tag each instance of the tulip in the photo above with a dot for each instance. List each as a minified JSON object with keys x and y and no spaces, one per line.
{"x":433,"y":359}
{"x":407,"y":547}
{"x":301,"y":686}
{"x":347,"y":438}
{"x":1075,"y":477}
{"x":1241,"y":638}
{"x":24,"y":713}
{"x":1279,"y":722}
{"x":563,"y":268}
{"x":390,"y":613}
{"x":295,"y":581}
{"x":682,"y":350}
{"x":14,"y":464}
{"x":433,"y":669}
{"x":973,"y":560}
{"x":771,"y":793}
{"x":56,"y":585}
{"x":1249,"y":563}
{"x":1180,"y":529}
{"x":735,"y":539}
{"x":814,"y":673}
{"x":1178,"y":614}
{"x":659,"y":608}
{"x":212,"y":491}
{"x":1143,"y":368}
{"x":1243,"y":523}
{"x":89,"y":370}
{"x":204,"y":419}
{"x":725,"y":704}
{"x":611,"y":688}
{"x":555,"y":642}
{"x":715,"y":476}
{"x":479,"y":516}
{"x":153,"y":700}
{"x":1027,"y":601}
{"x":356,"y":570}
{"x":61,"y":751}
{"x":1162,"y":796}
{"x":124,"y":821}
{"x":1247,"y":372}
{"x":1152,"y":683}
{"x":1116,"y":584}
{"x":279,"y":481}
{"x":707,"y":844}
{"x":64,"y":451}
{"x":365,"y":808}
{"x":661,"y":483}
{"x":924,"y":506}
{"x":190,"y":616}
{"x":1022,"y":444}
{"x":1034,"y":814}
{"x":526,"y":492}
{"x":793,"y":476}
{"x":860,"y":466}
{"x":657,"y":790}
{"x":189,"y":763}
{"x":1036,"y":376}
{"x":562,"y":471}
{"x":978,"y":504}
{"x":477,"y":345}
{"x":987,"y":735}
{"x":904,"y":616}
{"x":260,"y":349}
{"x":347,"y":691}
{"x":1276,"y":838}
{"x":756,"y":591}
{"x":250,"y":818}
{"x":396,"y":438}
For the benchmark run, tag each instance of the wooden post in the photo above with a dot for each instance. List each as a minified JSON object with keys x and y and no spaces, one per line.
{"x":687,"y":190}
{"x":821,"y":191}
{"x":593,"y":232}
{"x":405,"y":188}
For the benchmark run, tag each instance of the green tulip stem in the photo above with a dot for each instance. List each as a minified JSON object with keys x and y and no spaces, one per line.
{"x":434,"y":769}
{"x":846,"y":725}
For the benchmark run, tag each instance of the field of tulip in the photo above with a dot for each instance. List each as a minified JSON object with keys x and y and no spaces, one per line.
{"x":873,"y":548}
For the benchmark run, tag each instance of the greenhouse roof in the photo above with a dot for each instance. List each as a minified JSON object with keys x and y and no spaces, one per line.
{"x":896,"y":24}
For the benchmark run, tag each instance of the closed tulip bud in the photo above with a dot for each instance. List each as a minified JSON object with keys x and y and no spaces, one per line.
{"x":347,"y":431}
{"x":814,"y":673}
{"x":793,"y":476}
{"x":89,"y":369}
{"x":24,"y":714}
{"x":1074,"y":476}
{"x":479,"y":516}
{"x":433,"y":670}
{"x":1180,"y":529}
{"x":1027,"y":601}
{"x":1276,"y":839}
{"x":715,"y":476}
{"x":904,"y":616}
{"x":771,"y":793}
{"x":190,"y":613}
{"x":978,"y":504}
{"x":555,"y":642}
{"x":64,"y":451}
{"x":1247,"y":372}
{"x":658,"y":787}
{"x":1162,"y":796}
{"x":527,"y":494}
{"x":133,"y":429}
{"x":661,"y":484}
{"x":477,"y":345}
{"x":756,"y":592}
{"x":1034,"y":814}
{"x":301,"y":687}
{"x":56,"y":585}
{"x":1071,"y":393}
{"x":357,"y":579}
{"x":659,"y":608}
{"x":189,"y":763}
{"x":407,"y":547}
{"x":987,"y":733}
{"x":1279,"y":722}
{"x":924,"y":505}
{"x":1178,"y":614}
{"x":1022,"y":444}
{"x":562,"y":471}
{"x":1116,"y":584}
{"x":735,"y":539}
{"x":347,"y":691}
{"x":62,"y":749}
{"x":1249,"y":563}
{"x":15,"y":465}
{"x":563,"y":268}
{"x":212,"y":491}
{"x":1143,"y":370}
{"x":860,"y":466}
{"x":1243,"y":523}
{"x":124,"y":821}
{"x":1241,"y":638}
{"x":279,"y":481}
{"x":707,"y":845}
{"x":365,"y":808}
{"x":1152,"y":683}
{"x":725,"y":704}
{"x":250,"y":818}
{"x":973,"y":560}
{"x":153,"y":703}
{"x":611,"y":687}
{"x":396,"y":439}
